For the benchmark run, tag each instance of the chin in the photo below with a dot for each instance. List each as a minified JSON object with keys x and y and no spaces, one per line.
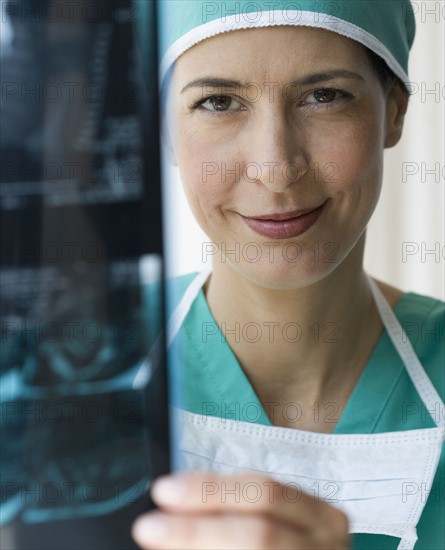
{"x":284,"y":275}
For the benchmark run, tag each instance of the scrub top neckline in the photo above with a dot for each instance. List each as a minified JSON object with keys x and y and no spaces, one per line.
{"x":375,"y":384}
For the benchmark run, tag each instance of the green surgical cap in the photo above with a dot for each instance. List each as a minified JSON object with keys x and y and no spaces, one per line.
{"x":386,"y":27}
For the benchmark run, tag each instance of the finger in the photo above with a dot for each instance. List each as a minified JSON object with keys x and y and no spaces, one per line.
{"x":250,"y":494}
{"x":220,"y":532}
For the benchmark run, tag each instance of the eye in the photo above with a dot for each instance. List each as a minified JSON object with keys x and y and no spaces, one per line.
{"x":219,"y":103}
{"x":325,"y":96}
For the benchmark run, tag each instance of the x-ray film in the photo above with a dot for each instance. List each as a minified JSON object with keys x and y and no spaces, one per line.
{"x":84,"y":414}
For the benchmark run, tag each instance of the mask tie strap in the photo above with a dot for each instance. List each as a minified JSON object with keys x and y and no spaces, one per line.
{"x":180,"y":313}
{"x":408,"y":540}
{"x":173,"y":325}
{"x":420,"y":379}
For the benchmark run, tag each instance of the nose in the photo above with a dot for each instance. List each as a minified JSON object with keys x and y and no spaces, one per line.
{"x":277,"y":156}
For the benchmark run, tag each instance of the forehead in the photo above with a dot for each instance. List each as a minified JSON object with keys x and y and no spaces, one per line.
{"x":271,"y":52}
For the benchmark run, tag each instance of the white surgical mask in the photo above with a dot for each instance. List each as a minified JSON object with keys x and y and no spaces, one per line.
{"x":370,"y":477}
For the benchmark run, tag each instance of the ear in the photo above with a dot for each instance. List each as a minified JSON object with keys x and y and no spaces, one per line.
{"x":396,"y":106}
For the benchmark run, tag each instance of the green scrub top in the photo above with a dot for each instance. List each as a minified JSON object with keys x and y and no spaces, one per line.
{"x":209,"y":376}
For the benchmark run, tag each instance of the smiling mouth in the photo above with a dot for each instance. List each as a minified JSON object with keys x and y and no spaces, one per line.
{"x":284,"y":225}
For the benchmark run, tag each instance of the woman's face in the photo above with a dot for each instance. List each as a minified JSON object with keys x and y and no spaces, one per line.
{"x":303,"y":125}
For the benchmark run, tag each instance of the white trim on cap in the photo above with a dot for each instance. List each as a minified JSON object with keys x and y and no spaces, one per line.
{"x":272,"y":18}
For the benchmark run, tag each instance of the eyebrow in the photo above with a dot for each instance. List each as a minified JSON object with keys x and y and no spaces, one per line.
{"x":315,"y":78}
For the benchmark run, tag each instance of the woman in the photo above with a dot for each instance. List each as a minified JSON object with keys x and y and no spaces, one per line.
{"x":312,"y":412}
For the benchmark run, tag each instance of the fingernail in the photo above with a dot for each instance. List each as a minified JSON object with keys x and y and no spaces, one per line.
{"x":170,"y":490}
{"x":148,"y":528}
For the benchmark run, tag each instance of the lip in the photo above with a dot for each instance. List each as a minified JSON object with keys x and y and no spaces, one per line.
{"x":284,"y":225}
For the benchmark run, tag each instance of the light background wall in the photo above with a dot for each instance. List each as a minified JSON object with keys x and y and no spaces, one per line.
{"x":406,"y":235}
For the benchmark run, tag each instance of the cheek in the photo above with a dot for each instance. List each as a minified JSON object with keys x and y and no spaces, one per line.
{"x":193,"y":156}
{"x":205,"y":174}
{"x":351,"y":160}
{"x":208,"y":163}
